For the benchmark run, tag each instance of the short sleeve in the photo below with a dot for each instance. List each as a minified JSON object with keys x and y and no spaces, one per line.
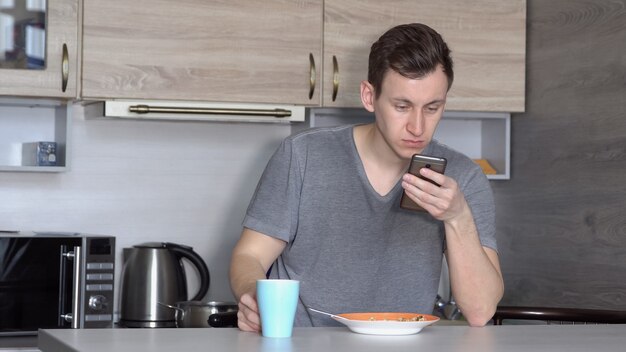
{"x":273,"y":209}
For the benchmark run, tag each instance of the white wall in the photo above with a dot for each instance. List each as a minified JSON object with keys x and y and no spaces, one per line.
{"x":144,"y":181}
{"x":183,"y":182}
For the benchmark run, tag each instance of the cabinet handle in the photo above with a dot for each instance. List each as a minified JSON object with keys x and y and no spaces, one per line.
{"x":65,"y":68}
{"x":335,"y":77}
{"x":145,"y":109}
{"x":313,"y":74}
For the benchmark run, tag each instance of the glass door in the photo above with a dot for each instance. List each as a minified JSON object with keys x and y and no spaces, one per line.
{"x":23,"y":34}
{"x":38,"y":48}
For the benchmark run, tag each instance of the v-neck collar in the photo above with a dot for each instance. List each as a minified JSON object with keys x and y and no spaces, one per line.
{"x":363,"y":175}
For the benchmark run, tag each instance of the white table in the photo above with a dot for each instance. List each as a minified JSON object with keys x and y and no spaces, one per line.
{"x":508,"y":338}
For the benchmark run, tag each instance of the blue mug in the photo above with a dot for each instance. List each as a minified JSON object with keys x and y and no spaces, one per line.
{"x":278,"y":300}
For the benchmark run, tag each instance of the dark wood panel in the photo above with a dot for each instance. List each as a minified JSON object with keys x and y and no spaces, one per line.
{"x":562,"y":216}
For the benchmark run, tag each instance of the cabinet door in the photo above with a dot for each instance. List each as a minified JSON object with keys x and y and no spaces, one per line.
{"x":487,"y":39}
{"x":58,"y":75}
{"x":254,"y":51}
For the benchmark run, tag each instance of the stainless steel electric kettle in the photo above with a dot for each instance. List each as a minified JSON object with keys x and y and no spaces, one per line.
{"x":153,"y":275}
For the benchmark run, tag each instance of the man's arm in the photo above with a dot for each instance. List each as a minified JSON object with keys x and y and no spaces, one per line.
{"x":252,"y":257}
{"x":475,"y":276}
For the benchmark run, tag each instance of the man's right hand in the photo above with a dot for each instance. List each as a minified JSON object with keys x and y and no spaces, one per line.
{"x":248,"y":318}
{"x":252,"y":257}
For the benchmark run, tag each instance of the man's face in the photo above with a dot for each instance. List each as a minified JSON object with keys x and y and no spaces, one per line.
{"x":408,"y":110}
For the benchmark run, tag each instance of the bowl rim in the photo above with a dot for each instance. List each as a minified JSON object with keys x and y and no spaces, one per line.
{"x":388,"y":317}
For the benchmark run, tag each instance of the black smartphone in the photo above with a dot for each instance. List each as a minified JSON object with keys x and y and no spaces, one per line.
{"x":419,"y":161}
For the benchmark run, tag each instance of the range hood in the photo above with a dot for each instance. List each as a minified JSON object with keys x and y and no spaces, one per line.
{"x":200,"y":111}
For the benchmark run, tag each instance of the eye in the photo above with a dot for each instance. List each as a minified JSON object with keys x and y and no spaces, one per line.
{"x":432,"y":109}
{"x":402,"y":107}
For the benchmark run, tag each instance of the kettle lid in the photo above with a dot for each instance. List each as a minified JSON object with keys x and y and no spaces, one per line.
{"x":166,"y":245}
{"x":151,"y":245}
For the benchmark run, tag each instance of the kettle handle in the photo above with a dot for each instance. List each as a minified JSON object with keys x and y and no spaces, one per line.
{"x":198,"y":262}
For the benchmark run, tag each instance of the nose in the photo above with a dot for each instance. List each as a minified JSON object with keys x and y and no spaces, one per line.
{"x":415,"y":123}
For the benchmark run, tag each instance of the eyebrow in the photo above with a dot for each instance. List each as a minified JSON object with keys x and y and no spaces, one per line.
{"x":436,"y":101}
{"x":402,"y":100}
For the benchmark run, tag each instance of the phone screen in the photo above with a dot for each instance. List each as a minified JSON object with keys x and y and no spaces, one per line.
{"x":419,"y":161}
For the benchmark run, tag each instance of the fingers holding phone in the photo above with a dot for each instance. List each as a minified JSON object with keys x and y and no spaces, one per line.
{"x":422,"y":195}
{"x":428,"y":189}
{"x":418,"y":195}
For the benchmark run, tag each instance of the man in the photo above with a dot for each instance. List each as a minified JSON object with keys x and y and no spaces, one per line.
{"x":326,"y":210}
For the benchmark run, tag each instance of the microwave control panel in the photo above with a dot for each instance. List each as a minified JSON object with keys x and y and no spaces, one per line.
{"x":98,"y":278}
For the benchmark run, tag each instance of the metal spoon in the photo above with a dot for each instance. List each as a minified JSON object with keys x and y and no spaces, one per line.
{"x":329,"y":314}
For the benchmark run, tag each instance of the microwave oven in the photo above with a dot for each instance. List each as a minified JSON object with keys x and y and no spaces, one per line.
{"x":55,"y":280}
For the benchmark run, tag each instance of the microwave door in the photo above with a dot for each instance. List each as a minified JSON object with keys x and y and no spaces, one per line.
{"x":31,"y":282}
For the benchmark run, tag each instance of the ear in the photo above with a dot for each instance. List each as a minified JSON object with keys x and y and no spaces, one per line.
{"x":367,"y":96}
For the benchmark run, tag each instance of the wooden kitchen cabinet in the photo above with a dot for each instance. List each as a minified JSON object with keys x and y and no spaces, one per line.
{"x":59,"y":77}
{"x":261,"y":51}
{"x":228,"y":51}
{"x":487,"y":39}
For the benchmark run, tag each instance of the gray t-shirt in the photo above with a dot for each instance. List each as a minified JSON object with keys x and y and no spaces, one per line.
{"x":352,"y":249}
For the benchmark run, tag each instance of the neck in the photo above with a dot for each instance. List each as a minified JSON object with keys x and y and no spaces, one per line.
{"x":382,"y":166}
{"x":373,"y":148}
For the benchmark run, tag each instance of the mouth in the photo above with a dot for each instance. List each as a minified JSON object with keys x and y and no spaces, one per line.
{"x":410,"y":143}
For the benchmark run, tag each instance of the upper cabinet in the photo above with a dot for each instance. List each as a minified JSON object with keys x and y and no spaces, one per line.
{"x":254,"y":51}
{"x":487,"y":39}
{"x":298,"y":52}
{"x":38,"y":48}
{"x":271,"y":51}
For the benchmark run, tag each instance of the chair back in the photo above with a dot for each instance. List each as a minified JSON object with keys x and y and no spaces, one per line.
{"x":560,"y":315}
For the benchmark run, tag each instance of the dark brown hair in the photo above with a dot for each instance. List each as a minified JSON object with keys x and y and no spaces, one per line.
{"x":413,"y":50}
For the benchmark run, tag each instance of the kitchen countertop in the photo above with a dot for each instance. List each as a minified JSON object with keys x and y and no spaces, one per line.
{"x":509,"y":338}
{"x":27,"y":343}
